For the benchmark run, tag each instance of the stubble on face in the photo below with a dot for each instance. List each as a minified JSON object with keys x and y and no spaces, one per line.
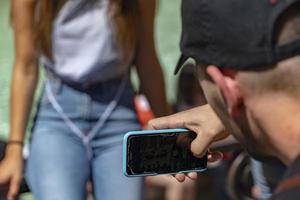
{"x":242,"y":126}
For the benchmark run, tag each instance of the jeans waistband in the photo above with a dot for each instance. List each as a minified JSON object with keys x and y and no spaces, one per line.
{"x":84,"y":87}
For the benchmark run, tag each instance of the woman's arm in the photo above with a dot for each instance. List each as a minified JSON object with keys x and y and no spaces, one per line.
{"x":147,"y":64}
{"x":25,"y":71}
{"x":24,"y":81}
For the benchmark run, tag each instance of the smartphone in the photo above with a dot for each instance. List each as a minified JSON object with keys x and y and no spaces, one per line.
{"x":156,"y":152}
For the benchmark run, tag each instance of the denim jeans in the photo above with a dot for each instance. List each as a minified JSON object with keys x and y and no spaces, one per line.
{"x":59,"y":166}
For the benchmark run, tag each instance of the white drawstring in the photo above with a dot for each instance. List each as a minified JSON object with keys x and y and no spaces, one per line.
{"x":103,"y":118}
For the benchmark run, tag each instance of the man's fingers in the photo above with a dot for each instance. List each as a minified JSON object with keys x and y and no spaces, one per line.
{"x":158,"y":123}
{"x":13,"y":188}
{"x":214,"y":156}
{"x":180,"y":177}
{"x":192,"y":175}
{"x":200,"y":144}
{"x":172,"y":121}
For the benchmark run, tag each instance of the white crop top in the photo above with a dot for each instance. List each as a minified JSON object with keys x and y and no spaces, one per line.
{"x":84,"y":45}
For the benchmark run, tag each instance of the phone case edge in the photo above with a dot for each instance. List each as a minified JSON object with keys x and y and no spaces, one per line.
{"x":143,"y":132}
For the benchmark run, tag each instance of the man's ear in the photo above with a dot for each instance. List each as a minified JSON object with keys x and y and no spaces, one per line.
{"x":226,"y":81}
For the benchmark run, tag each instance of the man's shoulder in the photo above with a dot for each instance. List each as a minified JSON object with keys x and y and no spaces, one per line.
{"x":289,"y":187}
{"x":290,"y":194}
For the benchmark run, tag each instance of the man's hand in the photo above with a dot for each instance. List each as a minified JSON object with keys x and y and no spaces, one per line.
{"x":204,"y":122}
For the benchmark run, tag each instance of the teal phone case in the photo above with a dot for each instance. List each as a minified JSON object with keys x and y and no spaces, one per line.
{"x":144,"y":132}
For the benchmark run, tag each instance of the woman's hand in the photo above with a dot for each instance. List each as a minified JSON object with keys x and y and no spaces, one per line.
{"x":11,"y":170}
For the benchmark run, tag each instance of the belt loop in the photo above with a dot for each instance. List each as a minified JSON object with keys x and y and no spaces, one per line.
{"x":58,"y":86}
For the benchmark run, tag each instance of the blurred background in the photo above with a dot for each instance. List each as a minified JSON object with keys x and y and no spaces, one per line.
{"x":167,"y":40}
{"x":211,"y":184}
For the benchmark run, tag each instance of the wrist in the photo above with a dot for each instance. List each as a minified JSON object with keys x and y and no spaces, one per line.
{"x":15,"y":143}
{"x":14,"y":148}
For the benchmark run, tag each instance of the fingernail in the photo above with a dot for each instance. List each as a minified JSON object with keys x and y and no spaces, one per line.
{"x":198,"y":155}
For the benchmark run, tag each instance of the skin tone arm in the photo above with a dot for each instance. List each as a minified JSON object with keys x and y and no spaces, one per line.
{"x":147,"y":64}
{"x":24,"y":81}
{"x":204,"y":122}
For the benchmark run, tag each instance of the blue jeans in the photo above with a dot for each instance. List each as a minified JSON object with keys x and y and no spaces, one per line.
{"x":59,"y":167}
{"x":266,"y":177}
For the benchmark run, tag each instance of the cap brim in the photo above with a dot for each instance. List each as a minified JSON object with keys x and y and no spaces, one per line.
{"x":180,"y":63}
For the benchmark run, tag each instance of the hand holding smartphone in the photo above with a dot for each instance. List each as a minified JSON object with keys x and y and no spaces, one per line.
{"x":155,"y":152}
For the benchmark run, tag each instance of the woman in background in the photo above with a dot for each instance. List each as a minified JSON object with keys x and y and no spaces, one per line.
{"x":87,"y":48}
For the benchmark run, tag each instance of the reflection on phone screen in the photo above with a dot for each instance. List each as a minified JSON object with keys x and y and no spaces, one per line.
{"x":162,"y":153}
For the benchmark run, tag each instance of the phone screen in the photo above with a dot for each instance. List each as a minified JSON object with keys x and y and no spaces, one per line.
{"x":162,"y":153}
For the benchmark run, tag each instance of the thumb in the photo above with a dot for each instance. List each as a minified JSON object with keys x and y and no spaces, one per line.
{"x":13,"y":188}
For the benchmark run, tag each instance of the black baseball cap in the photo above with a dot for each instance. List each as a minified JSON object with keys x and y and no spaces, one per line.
{"x":234,"y":34}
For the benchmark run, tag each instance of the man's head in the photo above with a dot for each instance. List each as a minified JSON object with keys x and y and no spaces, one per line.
{"x":247,"y":78}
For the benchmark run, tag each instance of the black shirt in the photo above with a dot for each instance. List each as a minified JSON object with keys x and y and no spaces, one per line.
{"x":289,"y":187}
